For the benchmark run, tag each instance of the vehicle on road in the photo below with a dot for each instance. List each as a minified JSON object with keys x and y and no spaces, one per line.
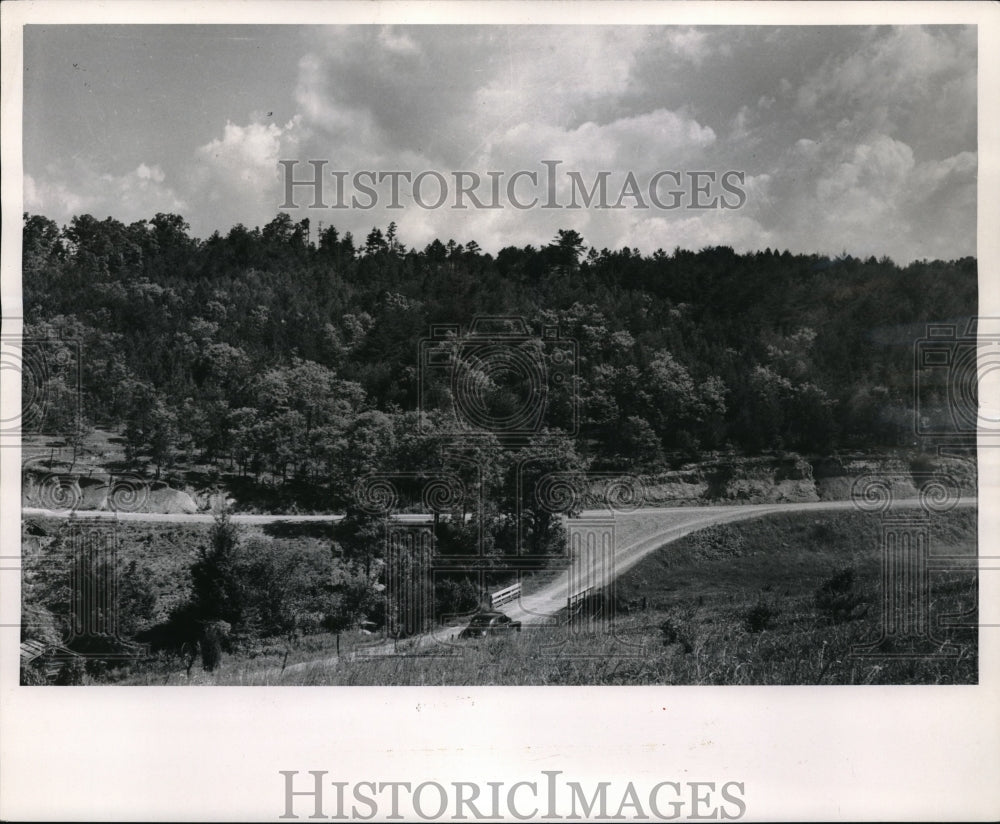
{"x":490,"y":623}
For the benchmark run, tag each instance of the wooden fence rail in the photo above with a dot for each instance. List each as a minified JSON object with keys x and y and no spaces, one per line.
{"x":506,"y":595}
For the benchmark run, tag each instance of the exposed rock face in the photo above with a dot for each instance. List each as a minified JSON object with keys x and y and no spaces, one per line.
{"x":794,"y":479}
{"x":98,"y":492}
{"x":169,"y":501}
{"x":786,"y":478}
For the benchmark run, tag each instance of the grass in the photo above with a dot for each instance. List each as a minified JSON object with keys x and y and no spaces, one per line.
{"x":264,"y":661}
{"x":733,"y":604}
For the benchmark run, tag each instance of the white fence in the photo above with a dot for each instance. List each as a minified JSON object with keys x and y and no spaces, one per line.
{"x":505,"y":596}
{"x":573,"y":600}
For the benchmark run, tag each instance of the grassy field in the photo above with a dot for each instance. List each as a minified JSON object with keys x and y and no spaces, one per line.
{"x":733,"y":604}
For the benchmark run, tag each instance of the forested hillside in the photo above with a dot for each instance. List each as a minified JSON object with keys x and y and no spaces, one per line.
{"x":291,"y":355}
{"x":289,"y":374}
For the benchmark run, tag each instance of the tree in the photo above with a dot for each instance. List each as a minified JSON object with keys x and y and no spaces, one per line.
{"x":375,"y":242}
{"x":77,"y":437}
{"x":216,"y":586}
{"x":678,"y":407}
{"x":569,"y":245}
{"x":151,"y":428}
{"x":636,"y":445}
{"x":544,"y":481}
{"x":392,"y":242}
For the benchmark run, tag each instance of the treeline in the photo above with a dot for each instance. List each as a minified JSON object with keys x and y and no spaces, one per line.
{"x":293,"y":356}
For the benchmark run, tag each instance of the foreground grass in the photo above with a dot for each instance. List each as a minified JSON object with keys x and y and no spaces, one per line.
{"x":733,"y":604}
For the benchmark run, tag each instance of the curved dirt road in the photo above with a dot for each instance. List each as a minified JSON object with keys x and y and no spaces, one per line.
{"x":639,"y":533}
{"x":673,"y":523}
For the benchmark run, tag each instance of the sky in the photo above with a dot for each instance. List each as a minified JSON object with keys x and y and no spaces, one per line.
{"x":849,"y":139}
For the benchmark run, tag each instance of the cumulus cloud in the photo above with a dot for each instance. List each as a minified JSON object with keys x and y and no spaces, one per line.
{"x":833,"y":159}
{"x":638,"y":143}
{"x":694,"y":232}
{"x":912,"y":82}
{"x":850,"y":138}
{"x":64,"y":190}
{"x":237,"y":174}
{"x":875,"y":198}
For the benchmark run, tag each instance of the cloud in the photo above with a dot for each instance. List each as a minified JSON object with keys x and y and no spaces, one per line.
{"x":237,"y":175}
{"x":490,"y":99}
{"x":833,"y":159}
{"x":695,"y":232}
{"x":911,"y":82}
{"x":850,"y":138}
{"x":691,"y":44}
{"x":874,"y":149}
{"x":875,"y":198}
{"x":246,"y":156}
{"x":640,"y":144}
{"x":446,"y":94}
{"x":54,"y":198}
{"x":396,"y":42}
{"x":135,"y":195}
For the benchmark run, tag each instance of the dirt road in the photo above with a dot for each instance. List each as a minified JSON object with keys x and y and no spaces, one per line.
{"x":200,"y":518}
{"x":671,"y":524}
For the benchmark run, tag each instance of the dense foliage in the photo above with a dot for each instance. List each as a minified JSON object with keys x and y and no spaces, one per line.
{"x":295,"y":355}
{"x":289,"y":365}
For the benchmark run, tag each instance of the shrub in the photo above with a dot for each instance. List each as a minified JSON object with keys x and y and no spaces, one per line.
{"x":838,"y":598}
{"x":265,"y":590}
{"x":216,"y":585}
{"x":674,"y":632}
{"x":33,"y":675}
{"x":213,"y":634}
{"x":922,"y":463}
{"x":455,"y":596}
{"x":170,"y":636}
{"x":71,"y":673}
{"x":758,"y":618}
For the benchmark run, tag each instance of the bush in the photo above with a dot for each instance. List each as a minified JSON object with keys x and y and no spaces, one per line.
{"x":215,"y":580}
{"x":922,"y":463}
{"x":674,"y":632}
{"x":170,"y":636}
{"x":71,"y":673}
{"x":758,"y":618}
{"x":455,"y":597}
{"x":263,"y":589}
{"x":838,"y":598}
{"x":33,"y":675}
{"x":213,"y":635}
